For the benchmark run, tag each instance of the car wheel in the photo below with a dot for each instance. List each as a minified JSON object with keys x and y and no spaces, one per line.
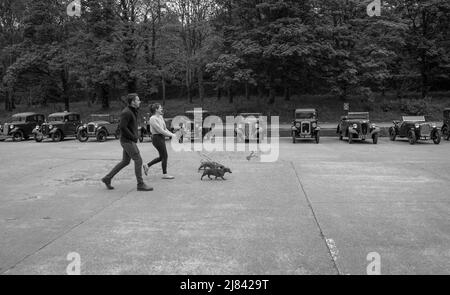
{"x":18,"y":136}
{"x":82,"y":136}
{"x":39,"y":137}
{"x":445,"y":132}
{"x":412,"y":137}
{"x":392,"y":134}
{"x":57,"y":136}
{"x":317,"y":137}
{"x":101,"y":136}
{"x":437,"y":137}
{"x":375,"y":138}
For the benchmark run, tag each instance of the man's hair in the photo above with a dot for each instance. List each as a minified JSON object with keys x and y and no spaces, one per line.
{"x":131,"y":97}
{"x":154,"y":107}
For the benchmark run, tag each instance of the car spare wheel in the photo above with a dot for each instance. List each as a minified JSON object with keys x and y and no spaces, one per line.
{"x":412,"y":137}
{"x":392,"y":134}
{"x":375,"y":138}
{"x":437,"y":137}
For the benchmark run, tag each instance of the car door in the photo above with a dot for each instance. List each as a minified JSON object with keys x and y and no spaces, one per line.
{"x":30,"y":123}
{"x":403,"y":132}
{"x":72,"y":123}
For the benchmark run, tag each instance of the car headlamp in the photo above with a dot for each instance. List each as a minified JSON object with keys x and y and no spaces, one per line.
{"x":314,"y":124}
{"x":355,"y":126}
{"x":11,"y":126}
{"x":433,"y":126}
{"x":37,"y":127}
{"x":297,"y":125}
{"x":50,"y":127}
{"x":417,"y":125}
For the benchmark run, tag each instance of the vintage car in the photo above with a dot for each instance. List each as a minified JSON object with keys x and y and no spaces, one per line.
{"x":357,"y":125}
{"x":193,"y":129}
{"x":305,"y":125}
{"x":100,"y":126}
{"x":58,"y":127}
{"x":415,"y":128}
{"x":446,"y":126}
{"x":249,"y":128}
{"x":21,"y":126}
{"x":144,"y":128}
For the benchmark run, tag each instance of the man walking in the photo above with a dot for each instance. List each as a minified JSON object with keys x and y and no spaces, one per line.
{"x":128,"y":138}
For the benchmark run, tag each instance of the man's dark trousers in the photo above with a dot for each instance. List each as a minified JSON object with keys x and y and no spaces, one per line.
{"x":130,"y":152}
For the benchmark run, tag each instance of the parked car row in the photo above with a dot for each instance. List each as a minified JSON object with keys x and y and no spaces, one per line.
{"x":248,"y":126}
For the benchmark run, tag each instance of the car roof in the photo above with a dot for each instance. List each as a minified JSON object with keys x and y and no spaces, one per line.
{"x":447,"y":109}
{"x":25,"y":114}
{"x":413,"y":118}
{"x":194,"y":111}
{"x":358,"y":113}
{"x":61,"y":114}
{"x":250,"y":114}
{"x":305,"y":110}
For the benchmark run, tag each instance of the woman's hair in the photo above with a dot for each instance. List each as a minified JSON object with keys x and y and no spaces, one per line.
{"x":154,"y":107}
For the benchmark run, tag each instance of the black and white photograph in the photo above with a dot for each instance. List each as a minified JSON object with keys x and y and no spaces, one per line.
{"x":228,"y":139}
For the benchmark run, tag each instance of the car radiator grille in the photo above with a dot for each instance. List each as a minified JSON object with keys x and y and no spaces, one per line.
{"x":306,"y":128}
{"x":364,"y":128}
{"x":91,"y":128}
{"x":425,"y":130}
{"x":45,"y":129}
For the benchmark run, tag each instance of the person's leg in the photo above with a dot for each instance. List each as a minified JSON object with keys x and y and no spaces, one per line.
{"x":125,"y":162}
{"x":157,"y":144}
{"x":165,"y":157}
{"x":133,"y":152}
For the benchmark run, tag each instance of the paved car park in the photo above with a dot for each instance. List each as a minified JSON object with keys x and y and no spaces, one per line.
{"x":320,"y":209}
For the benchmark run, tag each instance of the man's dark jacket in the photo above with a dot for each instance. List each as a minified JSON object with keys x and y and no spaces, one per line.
{"x":129,"y":125}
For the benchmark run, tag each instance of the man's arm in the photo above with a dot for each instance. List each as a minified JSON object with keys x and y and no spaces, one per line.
{"x":123,"y":125}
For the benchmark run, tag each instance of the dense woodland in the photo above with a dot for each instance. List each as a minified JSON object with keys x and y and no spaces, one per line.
{"x":218,"y":49}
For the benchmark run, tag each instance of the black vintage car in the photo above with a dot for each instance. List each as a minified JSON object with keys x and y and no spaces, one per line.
{"x":357,"y":125}
{"x":100,"y":126}
{"x":20,"y":126}
{"x":58,"y":127}
{"x":194,"y":128}
{"x":305,"y":125}
{"x":415,"y":128}
{"x":446,"y":126}
{"x":144,"y":128}
{"x":250,"y":127}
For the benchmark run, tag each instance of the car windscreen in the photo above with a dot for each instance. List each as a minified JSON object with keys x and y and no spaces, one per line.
{"x":305,"y":115}
{"x":99,"y":118}
{"x":16,"y":119}
{"x":361,"y":116}
{"x":54,"y":119}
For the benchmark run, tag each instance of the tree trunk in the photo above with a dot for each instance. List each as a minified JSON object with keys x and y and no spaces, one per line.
{"x":163,"y":83}
{"x":271,"y":95}
{"x":219,"y":93}
{"x":104,"y":96}
{"x":65,"y":85}
{"x":230,"y":94}
{"x":247,"y":93}
{"x":287,"y":93}
{"x":201,"y":89}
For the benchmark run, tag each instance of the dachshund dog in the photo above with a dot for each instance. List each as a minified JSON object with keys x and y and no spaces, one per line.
{"x":217,"y":172}
{"x":210,"y":165}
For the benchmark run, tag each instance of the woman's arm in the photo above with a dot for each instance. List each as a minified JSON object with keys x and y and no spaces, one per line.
{"x":156,"y":124}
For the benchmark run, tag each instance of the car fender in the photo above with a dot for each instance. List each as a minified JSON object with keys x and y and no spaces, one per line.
{"x":36,"y":131}
{"x":317,"y":129}
{"x":54,"y":130}
{"x":352,"y":131}
{"x":100,"y":128}
{"x":376,"y":130}
{"x":15,"y":129}
{"x":81,"y":127}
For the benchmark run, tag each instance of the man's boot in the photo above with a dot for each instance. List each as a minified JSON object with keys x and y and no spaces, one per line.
{"x":107,"y":182}
{"x":144,"y":187}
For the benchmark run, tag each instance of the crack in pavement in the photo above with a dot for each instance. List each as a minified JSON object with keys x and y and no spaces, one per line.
{"x":8,"y":268}
{"x":331,"y":252}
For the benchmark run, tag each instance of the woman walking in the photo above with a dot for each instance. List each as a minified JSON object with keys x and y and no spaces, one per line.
{"x":159,"y":132}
